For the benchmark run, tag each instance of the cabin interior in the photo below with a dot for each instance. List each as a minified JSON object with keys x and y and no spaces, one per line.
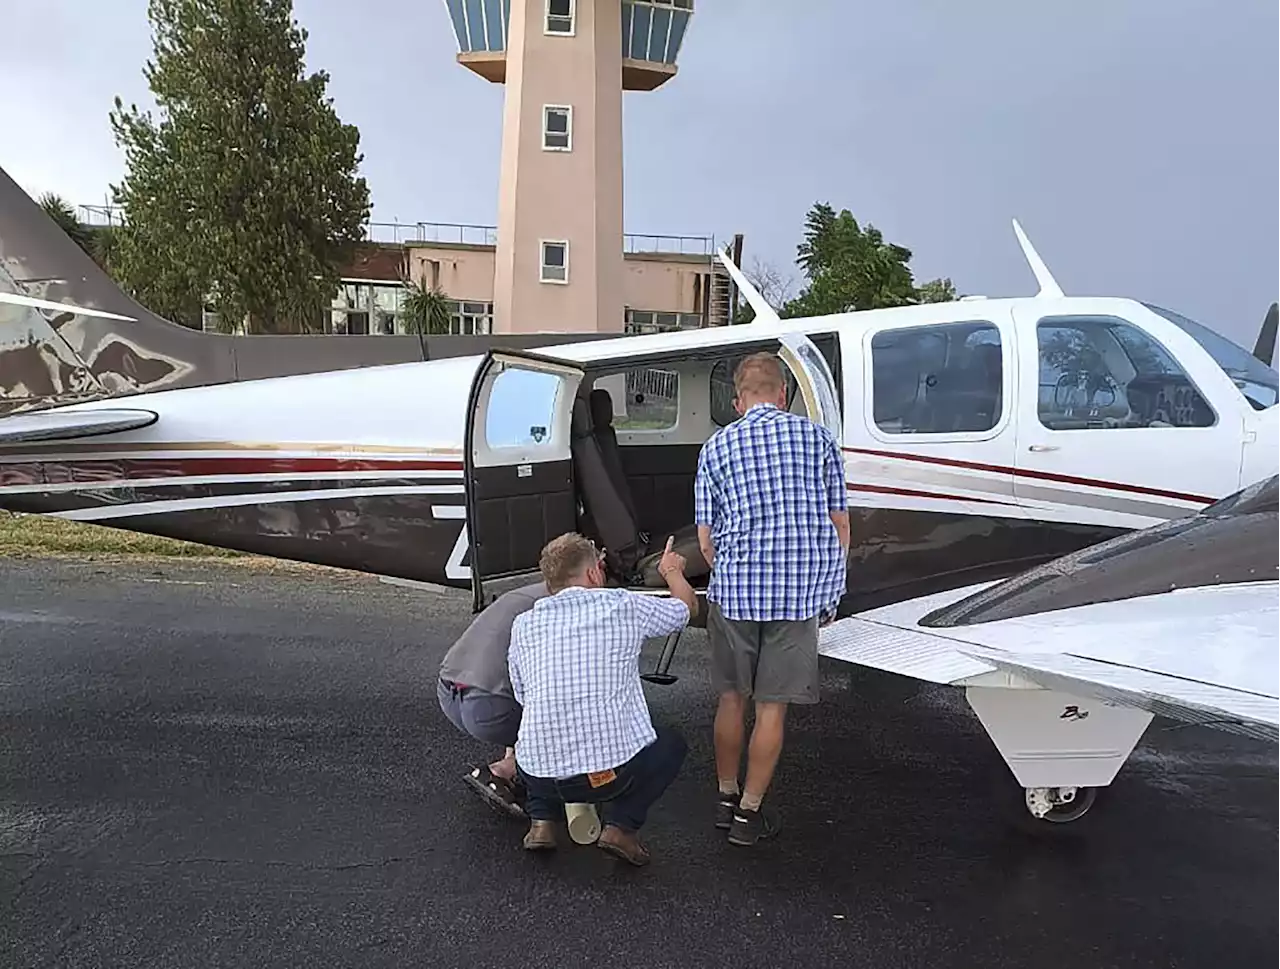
{"x":635,"y":433}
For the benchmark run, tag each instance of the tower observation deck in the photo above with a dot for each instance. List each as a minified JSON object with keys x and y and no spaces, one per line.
{"x":565,"y":64}
{"x":651,"y":34}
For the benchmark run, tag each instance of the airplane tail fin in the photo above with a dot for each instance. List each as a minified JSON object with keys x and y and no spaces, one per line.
{"x":69,"y":333}
{"x":764,"y":312}
{"x":1048,"y":285}
{"x":1265,"y":348}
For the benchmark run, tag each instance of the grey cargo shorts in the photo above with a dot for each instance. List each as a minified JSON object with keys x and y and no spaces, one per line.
{"x":770,"y":662}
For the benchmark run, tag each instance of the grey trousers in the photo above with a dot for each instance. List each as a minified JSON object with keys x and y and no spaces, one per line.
{"x":488,"y":717}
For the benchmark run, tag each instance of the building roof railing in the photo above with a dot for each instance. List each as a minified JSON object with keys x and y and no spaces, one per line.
{"x":455,"y":233}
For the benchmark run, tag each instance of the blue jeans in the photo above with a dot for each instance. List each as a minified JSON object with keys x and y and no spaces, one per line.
{"x":625,"y":800}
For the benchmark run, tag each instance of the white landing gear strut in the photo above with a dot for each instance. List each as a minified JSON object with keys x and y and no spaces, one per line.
{"x":1060,"y":748}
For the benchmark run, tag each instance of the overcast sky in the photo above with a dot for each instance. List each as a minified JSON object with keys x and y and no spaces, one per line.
{"x":1136,"y":140}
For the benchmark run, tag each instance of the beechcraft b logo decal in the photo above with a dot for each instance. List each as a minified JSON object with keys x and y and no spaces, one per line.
{"x":1073,"y":712}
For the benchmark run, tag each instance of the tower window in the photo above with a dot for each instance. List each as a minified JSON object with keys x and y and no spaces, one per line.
{"x":555,"y":261}
{"x":559,"y":17}
{"x":557,"y":127}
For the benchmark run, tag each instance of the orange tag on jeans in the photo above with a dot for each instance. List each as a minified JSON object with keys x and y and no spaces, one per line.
{"x":602,"y":777}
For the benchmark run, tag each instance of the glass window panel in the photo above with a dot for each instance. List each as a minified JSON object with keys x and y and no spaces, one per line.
{"x":626,"y":29}
{"x":522,"y":408}
{"x":679,"y":21}
{"x":937,"y":379}
{"x":459,"y":24}
{"x":475,"y":24}
{"x":1105,"y":373}
{"x":652,"y":401}
{"x":640,"y":31}
{"x":493,"y":24}
{"x":658,"y":37}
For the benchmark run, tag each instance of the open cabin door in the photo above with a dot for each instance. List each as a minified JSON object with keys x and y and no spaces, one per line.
{"x":814,"y":380}
{"x":519,"y":469}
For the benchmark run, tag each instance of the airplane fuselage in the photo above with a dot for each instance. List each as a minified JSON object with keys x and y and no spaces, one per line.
{"x":980,"y":438}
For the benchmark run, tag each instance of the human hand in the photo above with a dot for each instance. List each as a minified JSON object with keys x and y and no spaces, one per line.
{"x":671,"y":562}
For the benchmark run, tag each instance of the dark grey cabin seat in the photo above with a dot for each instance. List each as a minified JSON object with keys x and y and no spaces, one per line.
{"x":631,"y":557}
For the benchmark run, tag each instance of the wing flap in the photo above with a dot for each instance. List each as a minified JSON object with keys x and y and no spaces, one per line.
{"x":66,"y":424}
{"x":892,"y":649}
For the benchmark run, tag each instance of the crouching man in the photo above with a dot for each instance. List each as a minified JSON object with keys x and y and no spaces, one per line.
{"x":475,"y":694}
{"x":586,"y":736}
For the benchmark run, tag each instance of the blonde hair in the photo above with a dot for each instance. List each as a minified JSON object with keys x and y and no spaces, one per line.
{"x":759,"y":375}
{"x":564,"y":557}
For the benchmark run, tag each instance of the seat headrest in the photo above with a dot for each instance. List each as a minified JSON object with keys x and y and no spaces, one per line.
{"x":601,"y":408}
{"x":580,"y":419}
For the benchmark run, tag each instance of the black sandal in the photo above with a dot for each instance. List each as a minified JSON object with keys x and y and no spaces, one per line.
{"x":498,"y":793}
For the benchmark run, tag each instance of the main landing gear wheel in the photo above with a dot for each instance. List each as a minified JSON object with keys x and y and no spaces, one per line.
{"x":1059,"y":805}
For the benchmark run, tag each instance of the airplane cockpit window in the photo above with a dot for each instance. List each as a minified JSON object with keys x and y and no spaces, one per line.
{"x":1259,"y":383}
{"x":1099,"y":372}
{"x":939,"y":379}
{"x":521,"y":408}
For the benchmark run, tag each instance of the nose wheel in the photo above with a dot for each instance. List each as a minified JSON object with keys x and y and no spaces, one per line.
{"x":1060,"y":805}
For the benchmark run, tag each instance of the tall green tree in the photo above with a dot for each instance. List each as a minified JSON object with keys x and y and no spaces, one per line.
{"x":245,"y":193}
{"x":853,"y":267}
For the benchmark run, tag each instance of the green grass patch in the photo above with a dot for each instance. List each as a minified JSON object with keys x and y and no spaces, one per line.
{"x":39,"y":535}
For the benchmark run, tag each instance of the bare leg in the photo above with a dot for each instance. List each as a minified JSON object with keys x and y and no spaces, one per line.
{"x":766,"y":746}
{"x":728,"y":736}
{"x":505,"y":768}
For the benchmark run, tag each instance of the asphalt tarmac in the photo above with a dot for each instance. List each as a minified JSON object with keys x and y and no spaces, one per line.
{"x":204,"y":766}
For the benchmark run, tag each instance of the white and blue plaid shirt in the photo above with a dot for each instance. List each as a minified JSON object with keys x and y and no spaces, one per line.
{"x":766,"y":487}
{"x":575,"y":668}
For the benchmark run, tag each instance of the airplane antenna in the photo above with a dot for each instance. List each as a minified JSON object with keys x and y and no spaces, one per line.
{"x":1048,"y":285}
{"x":1265,"y":348}
{"x":764,"y":312}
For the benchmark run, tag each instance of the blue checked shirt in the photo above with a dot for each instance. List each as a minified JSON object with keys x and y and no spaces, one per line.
{"x":766,"y":487}
{"x":575,"y":668}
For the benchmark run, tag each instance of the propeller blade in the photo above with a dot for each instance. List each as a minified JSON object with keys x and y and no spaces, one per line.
{"x":17,"y":299}
{"x":1265,"y":348}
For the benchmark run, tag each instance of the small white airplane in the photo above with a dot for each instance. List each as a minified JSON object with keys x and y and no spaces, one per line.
{"x":982,"y":437}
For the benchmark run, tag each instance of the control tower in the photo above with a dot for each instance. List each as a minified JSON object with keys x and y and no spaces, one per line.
{"x":565,"y":64}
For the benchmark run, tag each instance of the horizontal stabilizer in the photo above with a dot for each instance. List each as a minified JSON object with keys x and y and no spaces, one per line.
{"x":19,"y":299}
{"x":62,"y":424}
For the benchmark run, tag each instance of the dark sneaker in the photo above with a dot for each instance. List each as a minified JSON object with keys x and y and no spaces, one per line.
{"x":748,"y":827}
{"x":725,"y":807}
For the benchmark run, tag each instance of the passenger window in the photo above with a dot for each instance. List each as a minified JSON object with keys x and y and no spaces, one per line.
{"x":522,"y":409}
{"x":1101,"y":372}
{"x":652,"y":399}
{"x":938,"y":379}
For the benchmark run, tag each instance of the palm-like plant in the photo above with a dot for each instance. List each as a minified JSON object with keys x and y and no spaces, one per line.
{"x":426,"y":310}
{"x":58,"y":209}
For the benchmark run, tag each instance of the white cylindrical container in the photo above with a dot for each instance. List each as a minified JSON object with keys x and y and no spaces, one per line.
{"x":584,"y":823}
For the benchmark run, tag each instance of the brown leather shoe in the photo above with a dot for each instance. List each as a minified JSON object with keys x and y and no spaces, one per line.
{"x":541,"y":836}
{"x":624,"y":845}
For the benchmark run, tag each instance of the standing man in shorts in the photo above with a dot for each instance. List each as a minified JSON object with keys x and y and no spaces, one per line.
{"x":773,"y":523}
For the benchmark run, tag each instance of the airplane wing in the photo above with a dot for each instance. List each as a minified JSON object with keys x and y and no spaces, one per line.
{"x":1205,"y":655}
{"x":65,"y":423}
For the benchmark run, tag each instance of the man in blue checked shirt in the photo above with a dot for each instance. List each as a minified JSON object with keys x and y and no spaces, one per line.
{"x":773,"y":523}
{"x":585,"y":735}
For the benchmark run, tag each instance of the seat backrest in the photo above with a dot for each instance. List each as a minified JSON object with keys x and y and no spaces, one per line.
{"x":607,"y":439}
{"x":615,"y":529}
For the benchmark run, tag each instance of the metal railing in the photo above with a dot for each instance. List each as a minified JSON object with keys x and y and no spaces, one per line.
{"x":465,"y":233}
